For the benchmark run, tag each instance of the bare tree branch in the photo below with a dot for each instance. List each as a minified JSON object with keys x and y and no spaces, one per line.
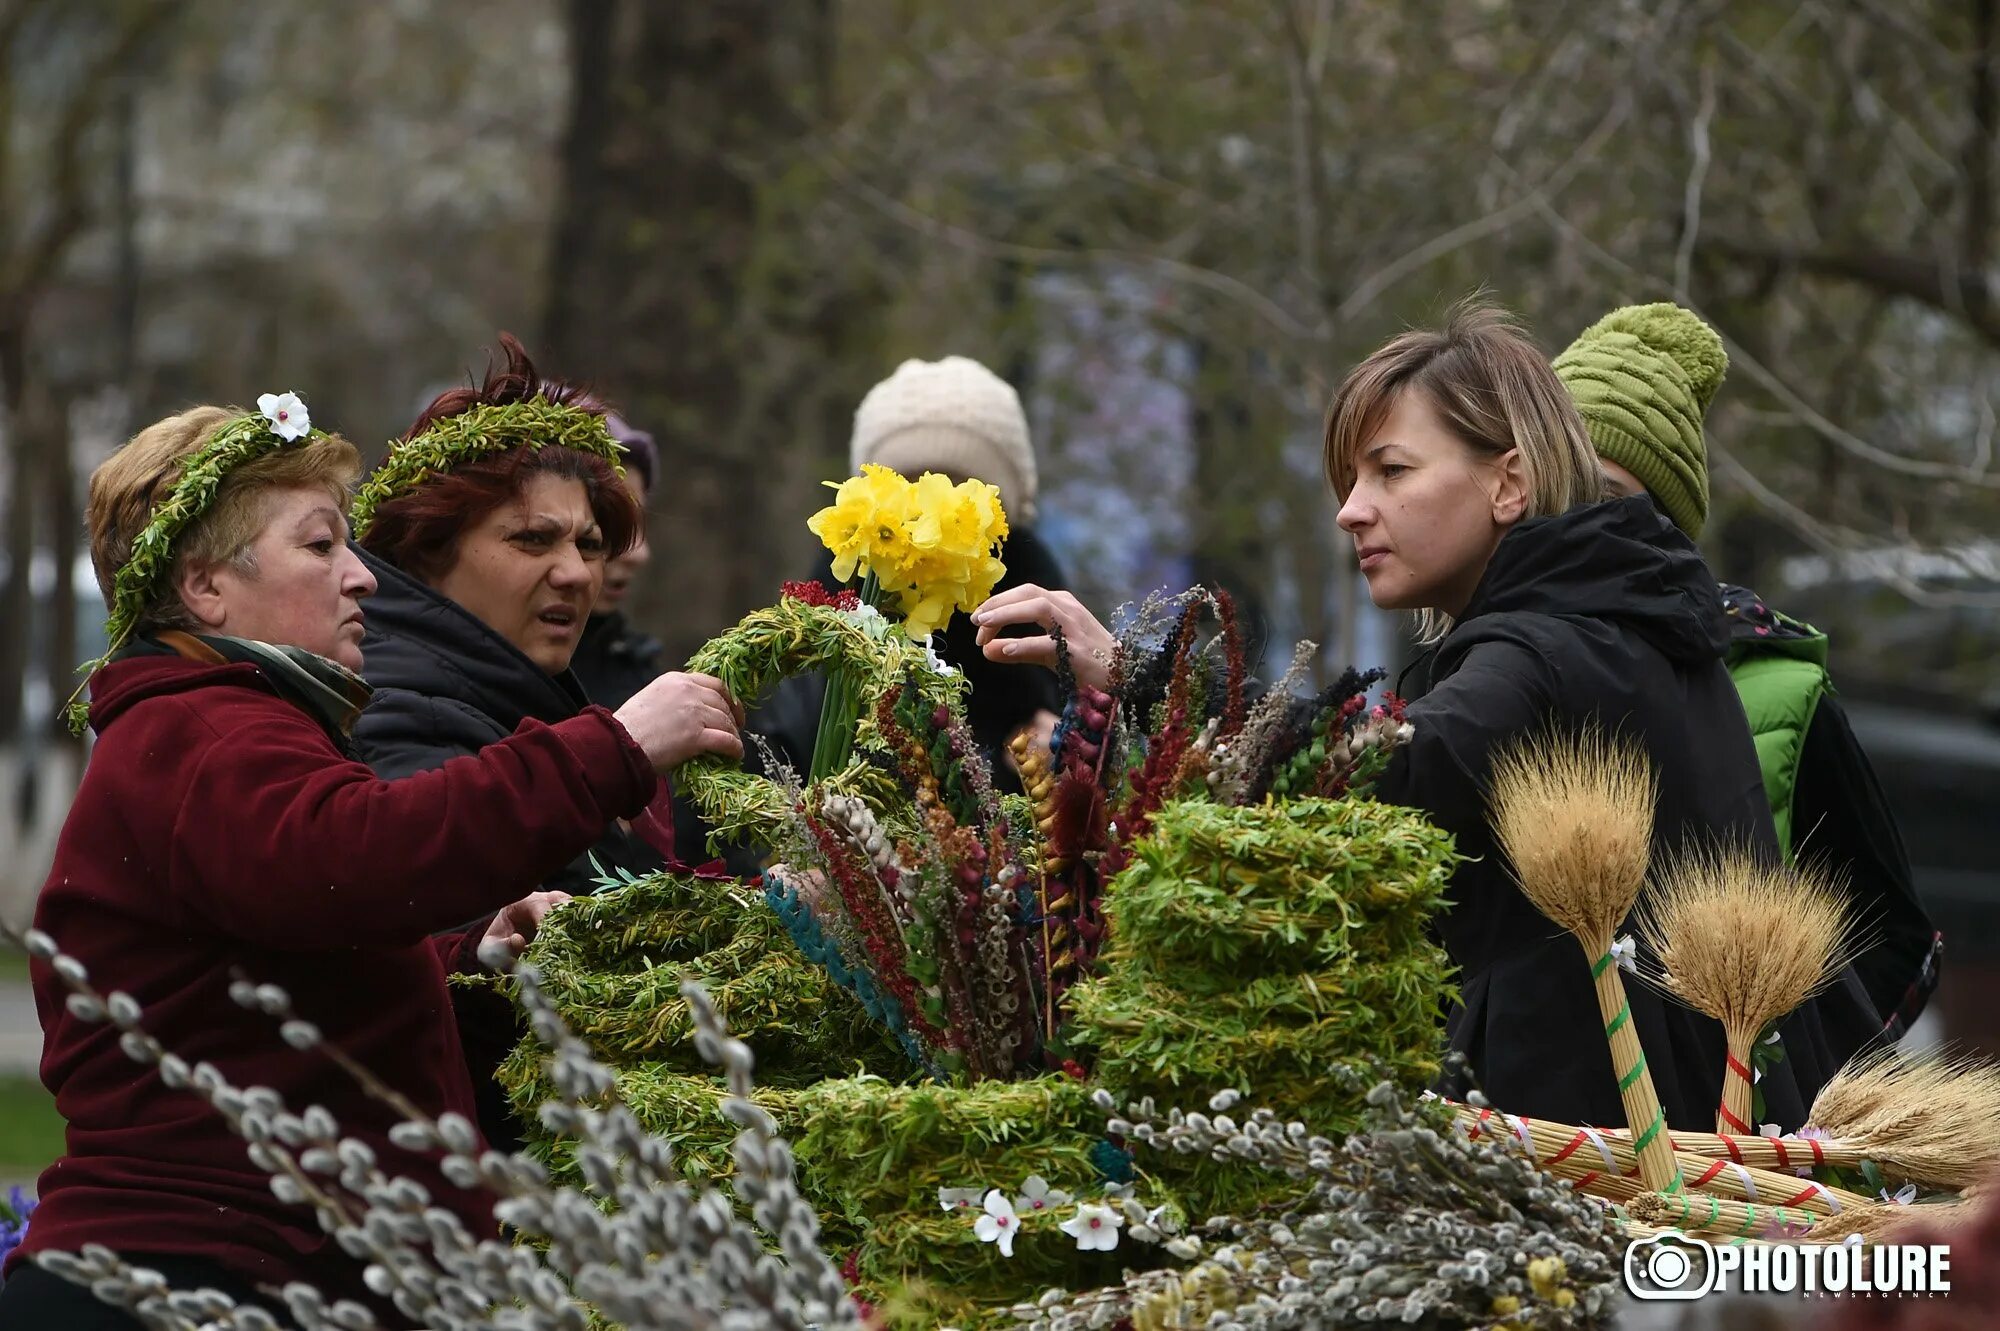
{"x":1697,"y":177}
{"x":1835,"y":541}
{"x":1740,"y":357}
{"x":68,"y":189}
{"x":1937,"y":281}
{"x":1536,"y":199}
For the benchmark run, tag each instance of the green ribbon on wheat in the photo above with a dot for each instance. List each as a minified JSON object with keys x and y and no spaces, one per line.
{"x":140,"y":579}
{"x":452,"y":441}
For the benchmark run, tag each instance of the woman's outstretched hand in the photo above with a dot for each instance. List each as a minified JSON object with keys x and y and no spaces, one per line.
{"x":680,"y":715}
{"x":515,"y":927}
{"x":1091,"y":645}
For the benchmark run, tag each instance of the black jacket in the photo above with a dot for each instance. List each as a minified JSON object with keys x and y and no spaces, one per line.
{"x":1840,"y":817}
{"x":1603,"y":613}
{"x":613,"y":660}
{"x":1001,"y":697}
{"x":445,"y":685}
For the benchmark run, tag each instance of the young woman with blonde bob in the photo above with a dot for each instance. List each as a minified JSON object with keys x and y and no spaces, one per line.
{"x":1472,"y":495}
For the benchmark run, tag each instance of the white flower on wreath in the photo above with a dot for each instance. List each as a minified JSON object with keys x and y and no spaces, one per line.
{"x":1037,"y":1195}
{"x":999,"y":1225}
{"x":288,"y":416}
{"x":959,"y":1199}
{"x":1094,"y":1227}
{"x":869,"y":620}
{"x":938,"y":665}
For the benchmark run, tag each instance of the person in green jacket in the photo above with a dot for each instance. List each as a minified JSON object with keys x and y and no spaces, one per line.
{"x":1643,"y":377}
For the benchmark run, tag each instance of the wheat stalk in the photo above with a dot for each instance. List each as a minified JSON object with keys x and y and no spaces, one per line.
{"x":1745,"y":942}
{"x":1574,"y":814}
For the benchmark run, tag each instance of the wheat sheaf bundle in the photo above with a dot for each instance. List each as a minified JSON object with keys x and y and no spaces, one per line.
{"x":1932,"y":1119}
{"x":1745,"y":942}
{"x":1573,"y":811}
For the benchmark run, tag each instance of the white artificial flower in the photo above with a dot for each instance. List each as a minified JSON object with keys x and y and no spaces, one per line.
{"x":1095,"y":1228}
{"x":999,"y":1224}
{"x":959,"y":1199}
{"x":1627,"y":953}
{"x":1037,"y":1195}
{"x":869,"y":620}
{"x":286,"y":413}
{"x":938,"y":664}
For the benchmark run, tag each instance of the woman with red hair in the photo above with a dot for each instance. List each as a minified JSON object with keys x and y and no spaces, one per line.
{"x":488,"y":529}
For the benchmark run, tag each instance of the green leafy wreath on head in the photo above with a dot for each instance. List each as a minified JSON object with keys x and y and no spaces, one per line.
{"x":281,"y":420}
{"x":786,"y":639}
{"x":475,"y":433}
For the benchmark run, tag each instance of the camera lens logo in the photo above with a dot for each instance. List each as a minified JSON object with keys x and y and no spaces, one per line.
{"x":1669,"y":1266}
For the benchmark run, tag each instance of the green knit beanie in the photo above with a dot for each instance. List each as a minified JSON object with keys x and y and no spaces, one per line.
{"x":1643,"y":377}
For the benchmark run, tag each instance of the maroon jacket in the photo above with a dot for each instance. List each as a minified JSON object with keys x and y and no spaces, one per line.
{"x":219,"y":830}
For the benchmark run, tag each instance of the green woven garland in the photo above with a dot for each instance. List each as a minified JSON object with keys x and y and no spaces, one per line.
{"x":787,"y":639}
{"x":475,"y":433}
{"x":1257,"y":946}
{"x":151,"y":563}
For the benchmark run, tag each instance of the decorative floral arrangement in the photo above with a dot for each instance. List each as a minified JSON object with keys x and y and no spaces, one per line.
{"x":932,"y":545}
{"x":1404,"y":1223}
{"x":981,"y":935}
{"x":475,"y":433}
{"x":962,"y":921}
{"x":280,"y":419}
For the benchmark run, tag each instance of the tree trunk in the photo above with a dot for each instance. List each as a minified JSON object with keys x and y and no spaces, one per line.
{"x":16,"y":602}
{"x":678,"y":252}
{"x":60,"y":510}
{"x":1233,"y":486}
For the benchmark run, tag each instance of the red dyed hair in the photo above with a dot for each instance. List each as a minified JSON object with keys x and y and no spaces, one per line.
{"x":419,"y":531}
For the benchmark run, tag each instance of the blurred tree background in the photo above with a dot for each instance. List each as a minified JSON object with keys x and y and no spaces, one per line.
{"x":1172,"y":224}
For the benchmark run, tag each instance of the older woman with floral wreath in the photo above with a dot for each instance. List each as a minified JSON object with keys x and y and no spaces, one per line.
{"x":223,"y":829}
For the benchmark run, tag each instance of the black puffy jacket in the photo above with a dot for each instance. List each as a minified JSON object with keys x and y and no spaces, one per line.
{"x":1603,"y":613}
{"x":445,"y":685}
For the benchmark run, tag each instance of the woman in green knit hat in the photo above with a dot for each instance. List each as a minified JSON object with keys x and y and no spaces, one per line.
{"x":1643,"y":377}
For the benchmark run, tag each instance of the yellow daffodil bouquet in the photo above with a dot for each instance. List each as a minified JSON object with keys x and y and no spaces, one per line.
{"x":922,"y":549}
{"x":932,"y":545}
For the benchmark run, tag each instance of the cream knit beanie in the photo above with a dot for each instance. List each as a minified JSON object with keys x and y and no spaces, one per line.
{"x":951,"y":415}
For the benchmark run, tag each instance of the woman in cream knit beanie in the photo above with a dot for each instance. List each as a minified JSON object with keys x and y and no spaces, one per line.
{"x":1643,"y":377}
{"x":952,"y":415}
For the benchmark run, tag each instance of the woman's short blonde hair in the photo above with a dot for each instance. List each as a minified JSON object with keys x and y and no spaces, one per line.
{"x":1493,"y":388}
{"x":124,"y":490}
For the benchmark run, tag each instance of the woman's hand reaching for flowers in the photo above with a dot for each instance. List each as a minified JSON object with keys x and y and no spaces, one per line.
{"x":1091,"y":645}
